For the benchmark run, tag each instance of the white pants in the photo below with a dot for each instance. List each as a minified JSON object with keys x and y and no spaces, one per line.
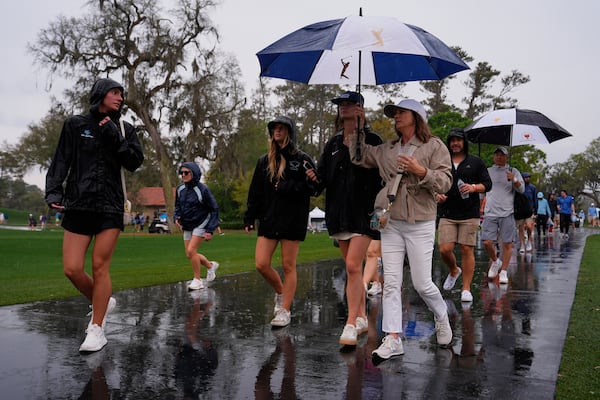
{"x":416,"y":240}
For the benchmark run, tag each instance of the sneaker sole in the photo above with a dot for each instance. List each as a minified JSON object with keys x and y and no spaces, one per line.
{"x":348,"y":342}
{"x":279,"y":324}
{"x":82,"y":350}
{"x":374,"y":353}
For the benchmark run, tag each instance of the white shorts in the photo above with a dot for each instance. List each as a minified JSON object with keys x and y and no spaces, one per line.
{"x":198,"y":231}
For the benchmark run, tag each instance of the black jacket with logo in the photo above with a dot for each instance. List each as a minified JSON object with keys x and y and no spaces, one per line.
{"x":282,"y":210}
{"x":350,"y":189}
{"x":89,"y":157}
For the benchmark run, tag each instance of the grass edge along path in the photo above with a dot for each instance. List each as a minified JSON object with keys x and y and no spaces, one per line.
{"x":579,"y":372}
{"x":31,"y":266}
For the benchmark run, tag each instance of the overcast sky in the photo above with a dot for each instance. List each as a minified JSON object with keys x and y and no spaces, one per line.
{"x":554,"y":42}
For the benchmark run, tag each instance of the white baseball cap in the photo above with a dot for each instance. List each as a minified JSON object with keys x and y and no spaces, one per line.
{"x":408,"y":104}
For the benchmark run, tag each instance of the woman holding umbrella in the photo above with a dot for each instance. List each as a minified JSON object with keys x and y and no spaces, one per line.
{"x":415,"y":166}
{"x":350,"y":196}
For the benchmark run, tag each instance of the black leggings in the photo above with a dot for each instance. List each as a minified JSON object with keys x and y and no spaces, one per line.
{"x":541,"y":223}
{"x":565,"y":222}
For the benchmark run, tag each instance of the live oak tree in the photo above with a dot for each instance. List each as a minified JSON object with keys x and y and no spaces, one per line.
{"x":177,"y":83}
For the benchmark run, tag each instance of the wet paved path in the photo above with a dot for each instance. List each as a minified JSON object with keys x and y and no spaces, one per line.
{"x":165,"y":343}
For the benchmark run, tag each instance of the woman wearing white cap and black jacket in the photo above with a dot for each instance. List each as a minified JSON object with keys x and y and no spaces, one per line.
{"x":422,"y":163}
{"x":279,"y":198}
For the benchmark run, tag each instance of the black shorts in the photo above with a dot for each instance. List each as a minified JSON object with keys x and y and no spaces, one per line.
{"x":90,"y":223}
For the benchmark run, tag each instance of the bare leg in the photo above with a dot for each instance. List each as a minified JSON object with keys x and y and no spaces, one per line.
{"x":74,"y":248}
{"x":263,"y":256}
{"x":447,"y":254}
{"x":468,"y":265}
{"x":370,"y":273}
{"x":353,"y":253}
{"x":197,"y":259}
{"x":102,"y":252}
{"x":289,"y":254}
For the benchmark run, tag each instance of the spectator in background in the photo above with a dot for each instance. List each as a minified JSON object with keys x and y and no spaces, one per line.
{"x":542,"y":212}
{"x":43,"y":220}
{"x":553,"y":209}
{"x":197,"y":214}
{"x":566,"y":209}
{"x":526,"y":225}
{"x":32,"y":222}
{"x":592,"y":215}
{"x":499,"y":221}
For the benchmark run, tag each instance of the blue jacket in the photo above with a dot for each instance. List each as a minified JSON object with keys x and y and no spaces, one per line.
{"x":543,"y":208}
{"x":194,"y":203}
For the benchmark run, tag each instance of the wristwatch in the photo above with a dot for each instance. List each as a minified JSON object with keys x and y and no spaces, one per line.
{"x":515,"y":180}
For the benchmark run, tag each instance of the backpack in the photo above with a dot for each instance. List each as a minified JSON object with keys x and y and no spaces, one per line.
{"x":196,"y":190}
{"x":522,"y":206}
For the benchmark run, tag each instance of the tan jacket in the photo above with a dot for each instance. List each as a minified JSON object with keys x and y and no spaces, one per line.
{"x":415,"y":200}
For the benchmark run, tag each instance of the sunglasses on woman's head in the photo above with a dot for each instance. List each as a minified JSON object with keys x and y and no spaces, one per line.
{"x":184,"y":173}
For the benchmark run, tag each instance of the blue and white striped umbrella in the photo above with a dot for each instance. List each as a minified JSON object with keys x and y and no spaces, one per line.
{"x":389,"y":51}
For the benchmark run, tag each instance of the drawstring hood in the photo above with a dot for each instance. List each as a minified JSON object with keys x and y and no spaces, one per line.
{"x":196,"y":173}
{"x":99,"y":91}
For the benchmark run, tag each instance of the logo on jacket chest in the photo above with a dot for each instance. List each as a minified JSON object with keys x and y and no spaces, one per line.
{"x":295,"y":165}
{"x":87,"y":134}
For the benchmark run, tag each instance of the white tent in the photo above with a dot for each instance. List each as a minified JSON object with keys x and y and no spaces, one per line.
{"x":316,"y":220}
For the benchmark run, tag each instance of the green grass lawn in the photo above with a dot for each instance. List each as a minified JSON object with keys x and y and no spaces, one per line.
{"x":579,"y":373}
{"x":31,"y":266}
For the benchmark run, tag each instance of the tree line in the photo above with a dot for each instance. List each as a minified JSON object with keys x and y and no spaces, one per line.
{"x":186,"y":99}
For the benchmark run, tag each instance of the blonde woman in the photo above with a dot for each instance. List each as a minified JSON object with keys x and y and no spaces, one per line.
{"x":278,"y":199}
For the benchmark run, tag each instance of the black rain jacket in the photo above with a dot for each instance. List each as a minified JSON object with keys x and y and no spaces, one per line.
{"x":282,"y":212}
{"x":89,"y":157}
{"x":350,"y":189}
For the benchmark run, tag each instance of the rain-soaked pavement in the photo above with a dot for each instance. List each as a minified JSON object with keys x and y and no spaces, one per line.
{"x":166,"y":343}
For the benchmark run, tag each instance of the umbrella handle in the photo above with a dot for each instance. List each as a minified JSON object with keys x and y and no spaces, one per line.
{"x":358,"y":155}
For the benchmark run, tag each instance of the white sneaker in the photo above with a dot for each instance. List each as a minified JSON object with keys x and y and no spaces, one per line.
{"x":503,"y":276}
{"x":451,"y":280}
{"x":466,"y":296}
{"x":196,"y":284}
{"x":212,"y":272}
{"x":278,"y":303}
{"x":282,"y":318}
{"x":375,"y":289}
{"x":362,"y":325}
{"x":349,"y":336}
{"x":390,"y":346}
{"x":94,"y":340}
{"x":522,"y":250}
{"x":496,"y":265}
{"x":529,"y":247}
{"x":110,"y":307}
{"x":443,"y":331}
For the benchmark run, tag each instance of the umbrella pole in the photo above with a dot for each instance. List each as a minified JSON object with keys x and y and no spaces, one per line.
{"x":510,"y":146}
{"x":358,"y":154}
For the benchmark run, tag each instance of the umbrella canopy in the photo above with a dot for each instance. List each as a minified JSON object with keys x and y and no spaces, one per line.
{"x":514,"y":127}
{"x":371,"y":50}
